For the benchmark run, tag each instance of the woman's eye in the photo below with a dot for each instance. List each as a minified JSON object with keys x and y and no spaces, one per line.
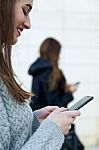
{"x":25,"y":13}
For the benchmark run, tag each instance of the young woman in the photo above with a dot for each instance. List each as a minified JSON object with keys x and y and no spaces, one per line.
{"x":49,"y":83}
{"x":20,"y":128}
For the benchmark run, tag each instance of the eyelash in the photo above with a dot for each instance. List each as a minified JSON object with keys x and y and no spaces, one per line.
{"x":25,"y":13}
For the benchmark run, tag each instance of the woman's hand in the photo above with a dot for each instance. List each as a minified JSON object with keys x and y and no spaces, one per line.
{"x":71,"y":88}
{"x":44,"y":112}
{"x":63,"y":118}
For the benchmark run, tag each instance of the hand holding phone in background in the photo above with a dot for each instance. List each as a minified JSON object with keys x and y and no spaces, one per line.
{"x":72,"y":87}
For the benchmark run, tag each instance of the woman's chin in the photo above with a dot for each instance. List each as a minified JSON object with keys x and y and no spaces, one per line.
{"x":14,"y":41}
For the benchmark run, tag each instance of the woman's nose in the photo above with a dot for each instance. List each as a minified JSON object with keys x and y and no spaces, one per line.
{"x":27,"y":23}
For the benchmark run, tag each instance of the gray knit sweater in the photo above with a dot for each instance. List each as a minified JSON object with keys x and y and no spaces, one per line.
{"x":20,"y":129}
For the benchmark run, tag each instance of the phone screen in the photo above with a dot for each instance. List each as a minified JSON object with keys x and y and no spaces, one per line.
{"x":77,"y":83}
{"x":81,"y":103}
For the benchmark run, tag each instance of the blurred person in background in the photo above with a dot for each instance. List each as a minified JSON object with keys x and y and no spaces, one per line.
{"x":49,"y":83}
{"x":20,"y":128}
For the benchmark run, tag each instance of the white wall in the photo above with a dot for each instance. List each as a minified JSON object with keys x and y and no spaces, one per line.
{"x":75,"y":23}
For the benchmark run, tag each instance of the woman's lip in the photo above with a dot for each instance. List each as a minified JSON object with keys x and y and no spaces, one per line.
{"x":19,"y":31}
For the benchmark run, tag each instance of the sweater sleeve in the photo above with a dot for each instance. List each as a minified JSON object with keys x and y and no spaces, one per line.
{"x":47,"y":137}
{"x":36,"y":122}
{"x":4,"y":128}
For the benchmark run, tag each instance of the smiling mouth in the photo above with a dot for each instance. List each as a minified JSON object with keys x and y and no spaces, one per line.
{"x":19,"y":31}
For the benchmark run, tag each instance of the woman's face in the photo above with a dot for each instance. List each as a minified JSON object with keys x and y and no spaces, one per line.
{"x":22,"y":19}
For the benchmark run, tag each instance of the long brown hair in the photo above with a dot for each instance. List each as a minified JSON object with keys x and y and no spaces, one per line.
{"x":50,"y":50}
{"x":7,"y":8}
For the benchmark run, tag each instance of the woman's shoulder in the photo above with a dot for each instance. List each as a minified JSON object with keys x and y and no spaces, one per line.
{"x":3,"y":88}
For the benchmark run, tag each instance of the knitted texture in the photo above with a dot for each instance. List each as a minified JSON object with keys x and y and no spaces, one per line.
{"x":20,"y":128}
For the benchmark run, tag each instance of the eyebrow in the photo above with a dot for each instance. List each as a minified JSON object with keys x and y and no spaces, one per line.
{"x":30,"y":7}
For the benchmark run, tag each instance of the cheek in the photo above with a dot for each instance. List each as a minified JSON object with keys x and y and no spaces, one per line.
{"x":19,"y":17}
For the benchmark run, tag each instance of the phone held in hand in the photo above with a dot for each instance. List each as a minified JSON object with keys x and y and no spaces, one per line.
{"x":81,"y":103}
{"x":77,"y":83}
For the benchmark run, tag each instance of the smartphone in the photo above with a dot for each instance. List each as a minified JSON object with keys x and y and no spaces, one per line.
{"x":77,"y":83}
{"x":81,"y":103}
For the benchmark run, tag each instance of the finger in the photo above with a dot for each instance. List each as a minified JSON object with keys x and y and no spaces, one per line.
{"x":62,"y":109}
{"x":73,"y":119}
{"x":69,"y":127}
{"x":75,"y":113}
{"x":52,"y":108}
{"x":67,"y":131}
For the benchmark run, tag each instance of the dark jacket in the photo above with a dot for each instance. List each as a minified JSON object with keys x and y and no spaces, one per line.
{"x":41,"y":70}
